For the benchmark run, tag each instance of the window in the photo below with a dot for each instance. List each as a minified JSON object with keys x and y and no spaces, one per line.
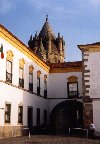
{"x":38,"y":82}
{"x":72,"y":89}
{"x":20,"y":114}
{"x":38,"y":86}
{"x":31,"y":68}
{"x":45,"y":86}
{"x":38,"y":117}
{"x":30,"y":82}
{"x":9,"y":61}
{"x":9,"y":71}
{"x":7,"y":113}
{"x":21,"y":79}
{"x":21,"y":73}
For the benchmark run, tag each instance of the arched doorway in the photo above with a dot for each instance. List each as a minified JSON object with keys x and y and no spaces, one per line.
{"x":65,"y":115}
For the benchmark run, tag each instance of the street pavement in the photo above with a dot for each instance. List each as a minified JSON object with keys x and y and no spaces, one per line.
{"x":48,"y":139}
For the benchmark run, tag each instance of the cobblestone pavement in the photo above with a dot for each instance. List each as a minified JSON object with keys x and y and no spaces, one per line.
{"x":42,"y":139}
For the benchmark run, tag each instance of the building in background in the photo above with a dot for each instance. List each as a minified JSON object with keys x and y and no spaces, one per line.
{"x":46,"y":46}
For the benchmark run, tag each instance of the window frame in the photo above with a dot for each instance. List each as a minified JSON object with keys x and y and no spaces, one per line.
{"x":20,"y":114}
{"x":7,"y":73}
{"x":73,"y":96}
{"x":45,"y":89}
{"x":38,"y":87}
{"x":21,"y":80}
{"x":8,"y":113}
{"x":30,"y":84}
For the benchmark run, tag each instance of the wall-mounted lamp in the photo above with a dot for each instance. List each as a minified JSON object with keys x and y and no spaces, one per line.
{"x":2,"y":108}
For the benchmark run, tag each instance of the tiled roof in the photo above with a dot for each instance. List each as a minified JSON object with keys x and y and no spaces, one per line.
{"x":65,"y":64}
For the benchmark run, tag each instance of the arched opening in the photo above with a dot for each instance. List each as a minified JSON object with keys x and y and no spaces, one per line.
{"x":67,"y":114}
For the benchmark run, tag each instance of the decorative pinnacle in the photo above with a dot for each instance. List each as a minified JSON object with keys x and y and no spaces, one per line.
{"x":46,"y":17}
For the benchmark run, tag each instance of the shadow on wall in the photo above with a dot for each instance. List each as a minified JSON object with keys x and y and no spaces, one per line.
{"x":67,"y":114}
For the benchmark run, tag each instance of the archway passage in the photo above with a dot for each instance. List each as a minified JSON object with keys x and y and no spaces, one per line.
{"x":67,"y":114}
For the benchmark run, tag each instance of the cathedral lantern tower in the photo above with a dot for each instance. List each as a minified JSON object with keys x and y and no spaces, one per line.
{"x":52,"y":47}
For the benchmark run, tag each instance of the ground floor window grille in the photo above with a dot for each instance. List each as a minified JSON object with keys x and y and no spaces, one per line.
{"x":20,"y":114}
{"x":7,"y":113}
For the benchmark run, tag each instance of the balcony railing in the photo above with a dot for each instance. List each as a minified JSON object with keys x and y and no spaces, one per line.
{"x":8,"y":77}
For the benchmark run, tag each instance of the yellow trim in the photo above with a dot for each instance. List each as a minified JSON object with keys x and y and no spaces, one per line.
{"x":89,"y":48}
{"x":10,"y":38}
{"x":72,"y":79}
{"x":21,"y":63}
{"x":66,"y":70}
{"x":45,"y":78}
{"x":38,"y":73}
{"x":9,"y":55}
{"x":31,"y":68}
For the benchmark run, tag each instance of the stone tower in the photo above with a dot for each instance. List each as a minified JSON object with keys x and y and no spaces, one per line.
{"x":47,"y":46}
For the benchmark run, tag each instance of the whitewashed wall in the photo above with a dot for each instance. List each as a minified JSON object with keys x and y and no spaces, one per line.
{"x":94,"y":66}
{"x":58,"y":86}
{"x":16,"y":96}
{"x":96,"y":114}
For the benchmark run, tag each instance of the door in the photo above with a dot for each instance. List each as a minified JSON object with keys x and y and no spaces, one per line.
{"x":30,"y":118}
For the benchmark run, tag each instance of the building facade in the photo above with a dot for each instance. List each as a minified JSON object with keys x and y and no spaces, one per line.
{"x":38,"y":89}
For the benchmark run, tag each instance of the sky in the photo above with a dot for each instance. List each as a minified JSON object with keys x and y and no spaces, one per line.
{"x":78,"y":21}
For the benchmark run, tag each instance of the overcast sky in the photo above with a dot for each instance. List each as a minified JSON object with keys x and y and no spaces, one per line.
{"x":78,"y":21}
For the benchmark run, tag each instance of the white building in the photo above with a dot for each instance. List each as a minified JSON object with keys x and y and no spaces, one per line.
{"x":34,"y":94}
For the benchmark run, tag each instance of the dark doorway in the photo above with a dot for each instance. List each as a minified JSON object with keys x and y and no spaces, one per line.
{"x":67,"y":114}
{"x":30,"y":118}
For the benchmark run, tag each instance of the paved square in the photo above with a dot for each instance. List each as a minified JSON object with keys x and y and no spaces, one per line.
{"x":42,"y":139}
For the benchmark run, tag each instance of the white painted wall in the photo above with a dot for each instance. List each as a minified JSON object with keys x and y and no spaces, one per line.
{"x":17,"y":96}
{"x":96,"y":114}
{"x":15,"y":79}
{"x":94,"y":66}
{"x":14,"y":95}
{"x":58,"y":84}
{"x":58,"y":87}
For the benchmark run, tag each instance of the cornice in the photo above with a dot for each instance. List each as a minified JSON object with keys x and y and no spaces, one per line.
{"x":66,"y":67}
{"x":66,"y":70}
{"x":95,"y":47}
{"x":13,"y":40}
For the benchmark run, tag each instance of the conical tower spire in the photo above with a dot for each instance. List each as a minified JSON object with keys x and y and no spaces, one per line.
{"x":47,"y":29}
